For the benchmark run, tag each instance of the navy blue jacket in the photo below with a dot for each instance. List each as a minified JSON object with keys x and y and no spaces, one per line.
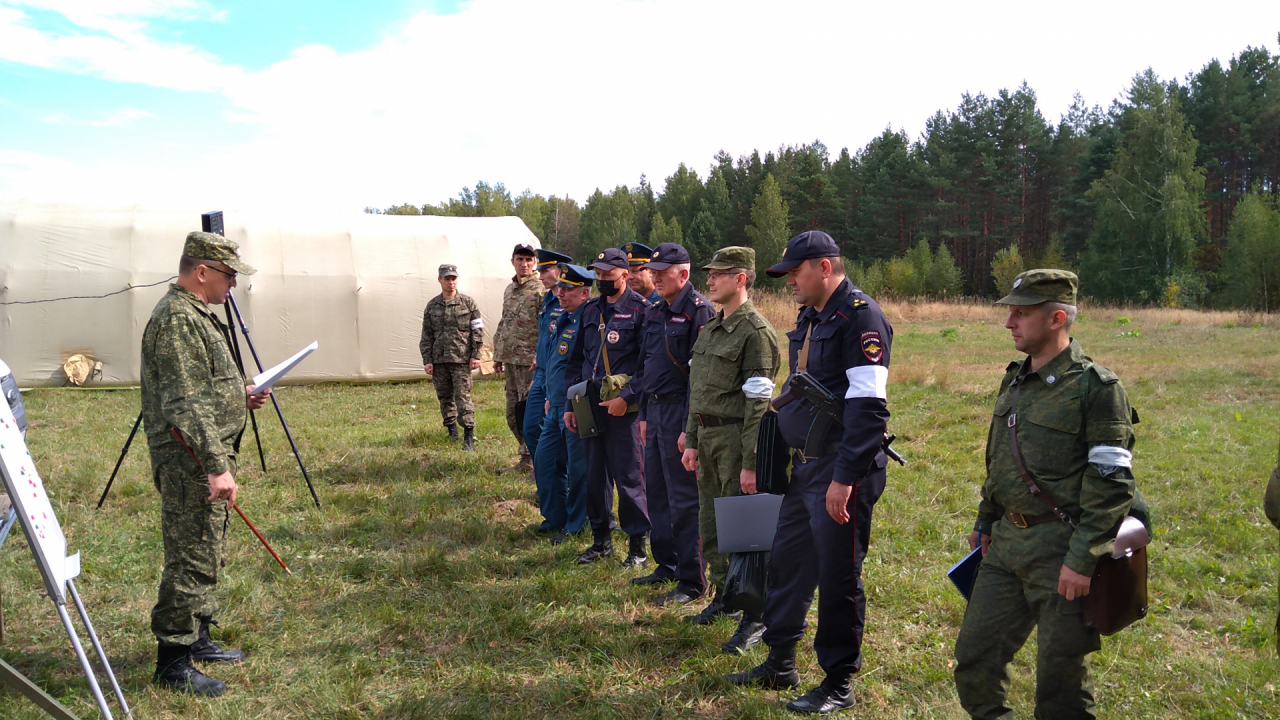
{"x":547,"y":317}
{"x":671,"y":329}
{"x":567,"y":332}
{"x":849,"y":355}
{"x":624,"y":324}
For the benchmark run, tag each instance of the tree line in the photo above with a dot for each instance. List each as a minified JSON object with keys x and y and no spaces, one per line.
{"x":1171,"y":196}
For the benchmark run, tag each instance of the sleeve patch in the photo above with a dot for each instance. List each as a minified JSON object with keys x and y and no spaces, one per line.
{"x":477,"y":324}
{"x":872,"y":345}
{"x":867,"y":381}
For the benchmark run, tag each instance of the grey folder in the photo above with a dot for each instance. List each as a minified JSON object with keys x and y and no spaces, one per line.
{"x":746,"y":523}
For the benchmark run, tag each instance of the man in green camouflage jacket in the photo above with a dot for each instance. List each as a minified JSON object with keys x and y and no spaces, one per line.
{"x":194,"y":402}
{"x":515,"y":343}
{"x":452,"y":332}
{"x":1075,"y":434}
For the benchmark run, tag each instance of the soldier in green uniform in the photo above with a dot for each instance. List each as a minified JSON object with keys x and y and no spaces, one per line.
{"x":1075,"y":434}
{"x":194,"y":402}
{"x":515,"y":343}
{"x":452,"y":332}
{"x":725,"y":407}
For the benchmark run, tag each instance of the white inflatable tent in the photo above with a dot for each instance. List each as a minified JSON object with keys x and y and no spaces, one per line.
{"x":357,"y":283}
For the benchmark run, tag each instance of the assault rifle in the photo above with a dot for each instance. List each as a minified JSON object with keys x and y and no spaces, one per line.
{"x":829,"y":413}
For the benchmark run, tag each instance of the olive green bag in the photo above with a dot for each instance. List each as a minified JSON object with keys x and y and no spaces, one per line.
{"x":611,"y":385}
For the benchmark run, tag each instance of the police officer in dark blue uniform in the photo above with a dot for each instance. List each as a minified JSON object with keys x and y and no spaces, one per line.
{"x":842,"y":340}
{"x":548,"y":315}
{"x":565,"y":506}
{"x":640,"y":279}
{"x":608,"y":354}
{"x":671,"y":328}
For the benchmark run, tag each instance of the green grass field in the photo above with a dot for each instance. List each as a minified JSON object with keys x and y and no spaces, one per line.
{"x":419,"y":592}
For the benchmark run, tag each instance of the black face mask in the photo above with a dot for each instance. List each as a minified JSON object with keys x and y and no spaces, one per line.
{"x":608,"y":288}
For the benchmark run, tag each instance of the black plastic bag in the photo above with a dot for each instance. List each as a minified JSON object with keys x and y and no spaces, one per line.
{"x":747,"y":583}
{"x":773,"y":457}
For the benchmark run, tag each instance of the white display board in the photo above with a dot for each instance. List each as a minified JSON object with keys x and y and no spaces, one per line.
{"x":35,"y":512}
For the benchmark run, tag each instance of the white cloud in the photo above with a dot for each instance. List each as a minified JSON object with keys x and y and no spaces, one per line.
{"x":565,"y":95}
{"x":119,"y":118}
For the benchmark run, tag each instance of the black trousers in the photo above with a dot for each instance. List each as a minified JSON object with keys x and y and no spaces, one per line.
{"x":613,"y":459}
{"x":672,"y":493}
{"x":811,"y":550}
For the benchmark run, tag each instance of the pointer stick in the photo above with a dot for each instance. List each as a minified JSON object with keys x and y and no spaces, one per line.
{"x":264,"y":540}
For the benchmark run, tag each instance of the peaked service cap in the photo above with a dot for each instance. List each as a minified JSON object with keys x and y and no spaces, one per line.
{"x":637,"y":253}
{"x":208,"y":246}
{"x":574,"y":276}
{"x":1042,"y":285}
{"x":551,"y":257}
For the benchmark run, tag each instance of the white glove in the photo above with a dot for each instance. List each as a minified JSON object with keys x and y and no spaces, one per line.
{"x":758,"y":388}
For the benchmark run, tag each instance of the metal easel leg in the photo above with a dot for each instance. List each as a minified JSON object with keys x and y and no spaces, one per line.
{"x":97,"y":645}
{"x":84,"y":660}
{"x":19,"y":682}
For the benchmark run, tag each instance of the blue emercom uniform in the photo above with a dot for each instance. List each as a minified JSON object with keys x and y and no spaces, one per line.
{"x":561,"y":458}
{"x":672,"y":491}
{"x":547,"y":317}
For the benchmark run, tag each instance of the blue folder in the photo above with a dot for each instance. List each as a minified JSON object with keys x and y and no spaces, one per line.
{"x":963,"y":573}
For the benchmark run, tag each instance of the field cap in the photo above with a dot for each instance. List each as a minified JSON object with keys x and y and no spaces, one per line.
{"x":610,"y":258}
{"x":551,"y":257}
{"x":668,"y":254}
{"x":574,"y":276}
{"x":207,"y":246}
{"x":805,"y":246}
{"x":448,"y":270}
{"x":734,"y":256}
{"x":637,"y":253}
{"x":525,"y":250}
{"x":1041,"y":286}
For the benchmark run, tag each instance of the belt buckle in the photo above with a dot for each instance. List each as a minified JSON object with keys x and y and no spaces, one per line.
{"x":1019,"y":520}
{"x":700,"y":423}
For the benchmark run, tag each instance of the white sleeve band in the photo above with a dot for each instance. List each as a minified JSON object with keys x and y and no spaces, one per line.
{"x":1110,"y":456}
{"x":758,"y":388}
{"x":477,"y":324}
{"x":867,"y":381}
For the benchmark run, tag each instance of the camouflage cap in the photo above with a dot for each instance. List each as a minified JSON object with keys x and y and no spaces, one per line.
{"x":448,"y":270}
{"x":1042,"y":285}
{"x":734,"y":256}
{"x":208,"y":246}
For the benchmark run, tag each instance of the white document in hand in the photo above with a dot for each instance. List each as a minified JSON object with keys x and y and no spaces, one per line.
{"x":264,"y":380}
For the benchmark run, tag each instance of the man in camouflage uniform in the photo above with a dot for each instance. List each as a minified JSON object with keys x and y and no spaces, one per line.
{"x":194,"y":402}
{"x":1075,"y":435}
{"x":725,"y":407}
{"x":515,"y":343}
{"x":452,"y":332}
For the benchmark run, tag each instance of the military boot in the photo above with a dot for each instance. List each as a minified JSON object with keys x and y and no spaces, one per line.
{"x":453,"y":430}
{"x":601,"y":548}
{"x":468,"y":438}
{"x":749,"y":631}
{"x":712,"y":611}
{"x":175,"y":671}
{"x":833,"y":695}
{"x":206,"y":650}
{"x":777,"y":672}
{"x":635,"y":553}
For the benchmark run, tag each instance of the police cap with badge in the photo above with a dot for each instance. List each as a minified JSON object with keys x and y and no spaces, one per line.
{"x":574,"y":276}
{"x":546,"y":258}
{"x":808,"y":245}
{"x":668,"y":254}
{"x":637,"y":253}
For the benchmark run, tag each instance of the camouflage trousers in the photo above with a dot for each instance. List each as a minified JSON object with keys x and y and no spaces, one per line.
{"x":518,"y":377}
{"x":453,"y":390}
{"x":719,"y":475}
{"x":1017,"y":590}
{"x":195,"y":541}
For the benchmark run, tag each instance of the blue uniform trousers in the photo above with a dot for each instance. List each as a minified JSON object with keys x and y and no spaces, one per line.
{"x":613,"y":459}
{"x":672,"y":494}
{"x":533,"y":412}
{"x":562,"y":462}
{"x":811,"y":550}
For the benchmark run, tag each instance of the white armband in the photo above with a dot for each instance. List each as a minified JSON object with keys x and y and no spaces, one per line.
{"x":1109,"y":458}
{"x":867,"y":381}
{"x":758,"y":388}
{"x":477,"y":324}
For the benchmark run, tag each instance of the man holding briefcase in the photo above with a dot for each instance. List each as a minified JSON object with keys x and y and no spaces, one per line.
{"x":1061,"y":437}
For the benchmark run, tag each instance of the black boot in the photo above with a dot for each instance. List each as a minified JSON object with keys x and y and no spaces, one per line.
{"x":601,"y":548}
{"x":453,"y":430}
{"x":833,"y":695}
{"x":468,"y":438}
{"x":206,"y":650}
{"x":635,"y":553}
{"x":777,"y":672}
{"x":711,"y":612}
{"x":175,"y":671}
{"x":749,"y":631}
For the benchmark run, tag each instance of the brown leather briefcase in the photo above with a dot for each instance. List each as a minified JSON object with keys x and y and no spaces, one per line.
{"x":1117,"y":593}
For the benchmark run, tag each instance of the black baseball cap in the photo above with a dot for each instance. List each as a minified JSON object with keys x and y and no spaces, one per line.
{"x":805,"y":246}
{"x":525,"y":250}
{"x":668,"y":254}
{"x":611,"y":258}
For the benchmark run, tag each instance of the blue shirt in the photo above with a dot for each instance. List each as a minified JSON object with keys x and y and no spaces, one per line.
{"x":547,"y":318}
{"x":670,"y":332}
{"x":623,"y":325}
{"x":567,"y":336}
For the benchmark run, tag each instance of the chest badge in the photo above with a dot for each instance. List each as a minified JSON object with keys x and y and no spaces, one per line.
{"x":613,"y":337}
{"x":872,"y":345}
{"x":564,"y":347}
{"x":553,"y":327}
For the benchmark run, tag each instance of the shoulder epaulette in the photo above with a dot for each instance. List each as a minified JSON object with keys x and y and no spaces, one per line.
{"x":1013,"y":366}
{"x":1104,"y":374}
{"x":858,"y":303}
{"x":758,"y":321}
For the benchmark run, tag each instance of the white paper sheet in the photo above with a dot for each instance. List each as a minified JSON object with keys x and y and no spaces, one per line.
{"x":271,"y":376}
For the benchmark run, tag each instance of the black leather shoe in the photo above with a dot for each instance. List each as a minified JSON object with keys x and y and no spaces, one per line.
{"x":453,"y":430}
{"x":712,"y":612}
{"x":468,"y":438}
{"x":777,"y":672}
{"x":676,"y":597}
{"x":175,"y":671}
{"x":206,"y":650}
{"x":599,"y":549}
{"x":745,"y":637}
{"x":833,"y":695}
{"x":558,"y":538}
{"x":652,"y":578}
{"x":635,"y":552}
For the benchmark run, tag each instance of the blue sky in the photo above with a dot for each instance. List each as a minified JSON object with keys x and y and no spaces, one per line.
{"x":283,"y":103}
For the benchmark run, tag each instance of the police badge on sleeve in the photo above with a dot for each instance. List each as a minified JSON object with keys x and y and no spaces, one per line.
{"x":872,"y":345}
